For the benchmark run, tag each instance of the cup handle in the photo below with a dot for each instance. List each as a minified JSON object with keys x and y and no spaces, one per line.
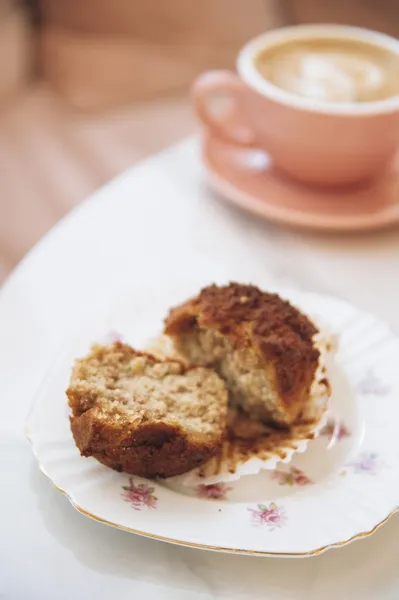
{"x":229,"y":84}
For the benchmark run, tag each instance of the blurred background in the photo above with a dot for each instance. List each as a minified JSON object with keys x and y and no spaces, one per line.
{"x":88,"y":87}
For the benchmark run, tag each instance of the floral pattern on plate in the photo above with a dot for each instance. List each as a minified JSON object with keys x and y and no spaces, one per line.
{"x":335,"y":429}
{"x":292,"y":476}
{"x":367,"y":462}
{"x":257,"y":505}
{"x":139,"y":495}
{"x":271,"y":516}
{"x":372,"y":385}
{"x":112,"y":336}
{"x":216,"y":491}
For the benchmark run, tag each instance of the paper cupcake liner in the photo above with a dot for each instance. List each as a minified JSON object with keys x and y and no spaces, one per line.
{"x":252,"y":446}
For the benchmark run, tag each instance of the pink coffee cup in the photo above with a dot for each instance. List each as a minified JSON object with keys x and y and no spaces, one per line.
{"x":329,"y":143}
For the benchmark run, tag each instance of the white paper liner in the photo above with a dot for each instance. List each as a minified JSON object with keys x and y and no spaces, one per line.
{"x":239,"y":457}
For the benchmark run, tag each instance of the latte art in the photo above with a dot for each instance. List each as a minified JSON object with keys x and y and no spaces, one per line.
{"x":331,"y":76}
{"x":332,"y":70}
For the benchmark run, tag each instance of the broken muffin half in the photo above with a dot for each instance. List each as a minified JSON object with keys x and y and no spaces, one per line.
{"x":142,"y":415}
{"x":261,"y":345}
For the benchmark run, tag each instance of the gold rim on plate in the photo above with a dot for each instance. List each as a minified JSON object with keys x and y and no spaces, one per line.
{"x":160,"y":538}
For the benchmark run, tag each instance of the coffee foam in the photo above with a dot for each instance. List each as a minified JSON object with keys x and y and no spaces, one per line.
{"x":331,"y":70}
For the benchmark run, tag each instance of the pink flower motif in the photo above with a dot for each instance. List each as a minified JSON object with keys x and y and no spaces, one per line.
{"x":112,"y":336}
{"x":271,"y":516}
{"x":139,"y":495}
{"x":335,"y":429}
{"x":215,"y":491}
{"x":371,"y":385}
{"x":293,"y":476}
{"x":367,"y":463}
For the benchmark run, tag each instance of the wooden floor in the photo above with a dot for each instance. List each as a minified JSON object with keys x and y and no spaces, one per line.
{"x":51,"y":158}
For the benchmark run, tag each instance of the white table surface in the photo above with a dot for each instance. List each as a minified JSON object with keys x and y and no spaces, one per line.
{"x":157,"y":220}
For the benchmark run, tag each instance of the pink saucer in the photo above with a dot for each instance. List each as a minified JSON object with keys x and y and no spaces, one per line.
{"x":247,"y":179}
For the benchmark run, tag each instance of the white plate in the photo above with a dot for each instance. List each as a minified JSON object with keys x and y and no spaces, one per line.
{"x":342,"y":488}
